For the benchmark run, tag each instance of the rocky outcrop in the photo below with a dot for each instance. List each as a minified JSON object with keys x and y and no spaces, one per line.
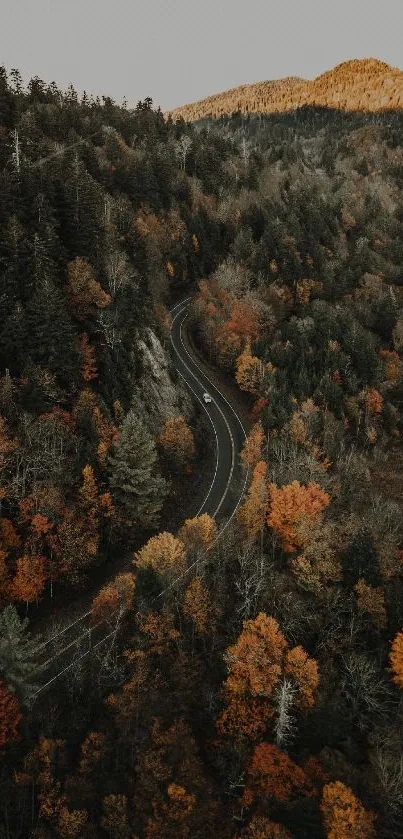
{"x":159,"y":392}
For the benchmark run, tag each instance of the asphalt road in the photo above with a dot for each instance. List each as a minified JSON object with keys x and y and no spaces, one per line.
{"x":227,"y":479}
{"x":225,"y":493}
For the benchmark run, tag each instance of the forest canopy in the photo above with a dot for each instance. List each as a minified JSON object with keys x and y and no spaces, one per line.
{"x":249,"y":686}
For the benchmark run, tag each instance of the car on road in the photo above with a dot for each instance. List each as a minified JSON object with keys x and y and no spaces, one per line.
{"x":207,"y":397}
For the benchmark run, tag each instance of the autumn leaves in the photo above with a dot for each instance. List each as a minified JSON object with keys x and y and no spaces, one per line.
{"x":258,"y":663}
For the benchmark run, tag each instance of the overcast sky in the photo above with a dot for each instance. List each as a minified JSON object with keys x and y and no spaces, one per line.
{"x":178,"y":51}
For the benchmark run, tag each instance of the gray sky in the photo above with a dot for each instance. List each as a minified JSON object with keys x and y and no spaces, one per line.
{"x":178,"y":51}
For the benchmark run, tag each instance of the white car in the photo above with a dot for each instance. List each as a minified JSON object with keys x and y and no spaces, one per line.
{"x":207,"y":397}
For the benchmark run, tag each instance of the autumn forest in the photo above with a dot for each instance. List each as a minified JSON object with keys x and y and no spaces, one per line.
{"x":249,"y":687}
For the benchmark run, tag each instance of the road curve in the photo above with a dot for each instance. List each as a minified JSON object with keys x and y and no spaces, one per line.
{"x":225,"y":493}
{"x":227,"y":479}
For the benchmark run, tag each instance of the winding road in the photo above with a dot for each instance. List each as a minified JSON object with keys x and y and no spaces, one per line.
{"x":228,"y":483}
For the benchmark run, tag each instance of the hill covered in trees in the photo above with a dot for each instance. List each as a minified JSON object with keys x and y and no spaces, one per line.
{"x":357,"y":85}
{"x":250,"y":685}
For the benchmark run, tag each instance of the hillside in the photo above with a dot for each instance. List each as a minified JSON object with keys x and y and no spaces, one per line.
{"x":247,"y":686}
{"x":358,"y":85}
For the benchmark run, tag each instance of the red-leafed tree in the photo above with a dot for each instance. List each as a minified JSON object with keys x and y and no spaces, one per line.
{"x":114,"y":599}
{"x":89,"y":367}
{"x":272,"y":774}
{"x":10,"y":716}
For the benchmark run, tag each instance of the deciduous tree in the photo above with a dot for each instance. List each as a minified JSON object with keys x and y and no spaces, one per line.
{"x":289,"y":505}
{"x":198,"y":533}
{"x":371,"y":599}
{"x":177,"y":442}
{"x":262,"y":828}
{"x":86,"y":292}
{"x":89,"y":367}
{"x":252,"y":449}
{"x":256,"y":663}
{"x":10,"y":716}
{"x":252,"y":513}
{"x":115,"y":816}
{"x":249,"y":371}
{"x":114,"y":599}
{"x":165,"y":554}
{"x":343,"y":814}
{"x":272,"y":774}
{"x":30,"y":578}
{"x":197,"y":605}
{"x":396,"y":659}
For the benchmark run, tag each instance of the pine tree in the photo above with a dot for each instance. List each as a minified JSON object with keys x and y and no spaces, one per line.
{"x":51,"y":338}
{"x":138,"y":490}
{"x":18,"y":654}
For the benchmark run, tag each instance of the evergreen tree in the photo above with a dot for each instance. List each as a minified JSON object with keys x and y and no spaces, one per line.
{"x":18,"y":654}
{"x":138,"y":489}
{"x":51,"y":337}
{"x":360,"y":560}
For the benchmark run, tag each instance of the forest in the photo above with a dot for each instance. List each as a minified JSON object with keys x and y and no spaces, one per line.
{"x":250,"y":686}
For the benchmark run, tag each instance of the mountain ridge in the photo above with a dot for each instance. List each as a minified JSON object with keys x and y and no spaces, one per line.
{"x":366,"y":84}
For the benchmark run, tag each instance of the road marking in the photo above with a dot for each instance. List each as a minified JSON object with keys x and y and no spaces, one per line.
{"x":196,"y":562}
{"x":221,"y":394}
{"x":216,"y":437}
{"x":222,"y":414}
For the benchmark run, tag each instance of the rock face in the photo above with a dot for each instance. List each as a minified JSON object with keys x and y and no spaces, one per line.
{"x":158,"y":391}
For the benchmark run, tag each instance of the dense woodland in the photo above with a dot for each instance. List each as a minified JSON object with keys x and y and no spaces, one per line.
{"x":259,"y":695}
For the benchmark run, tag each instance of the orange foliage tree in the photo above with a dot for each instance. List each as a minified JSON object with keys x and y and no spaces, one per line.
{"x":30,"y":578}
{"x":198,"y":533}
{"x":373,"y":402}
{"x":88,"y":492}
{"x":396,"y":659}
{"x":252,"y":514}
{"x":177,"y":441}
{"x":164,"y":553}
{"x":343,"y":814}
{"x":197,"y":606}
{"x":243,"y":320}
{"x":257,"y":663}
{"x":87,"y":408}
{"x":92,"y":752}
{"x":371,"y":599}
{"x":86,"y":292}
{"x":290,"y":505}
{"x":114,"y":599}
{"x":89,"y":368}
{"x":252,"y":448}
{"x":262,"y":828}
{"x":115,"y":815}
{"x":273,"y":774}
{"x":171,"y":816}
{"x":40,"y":768}
{"x":249,"y":370}
{"x":10,"y":716}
